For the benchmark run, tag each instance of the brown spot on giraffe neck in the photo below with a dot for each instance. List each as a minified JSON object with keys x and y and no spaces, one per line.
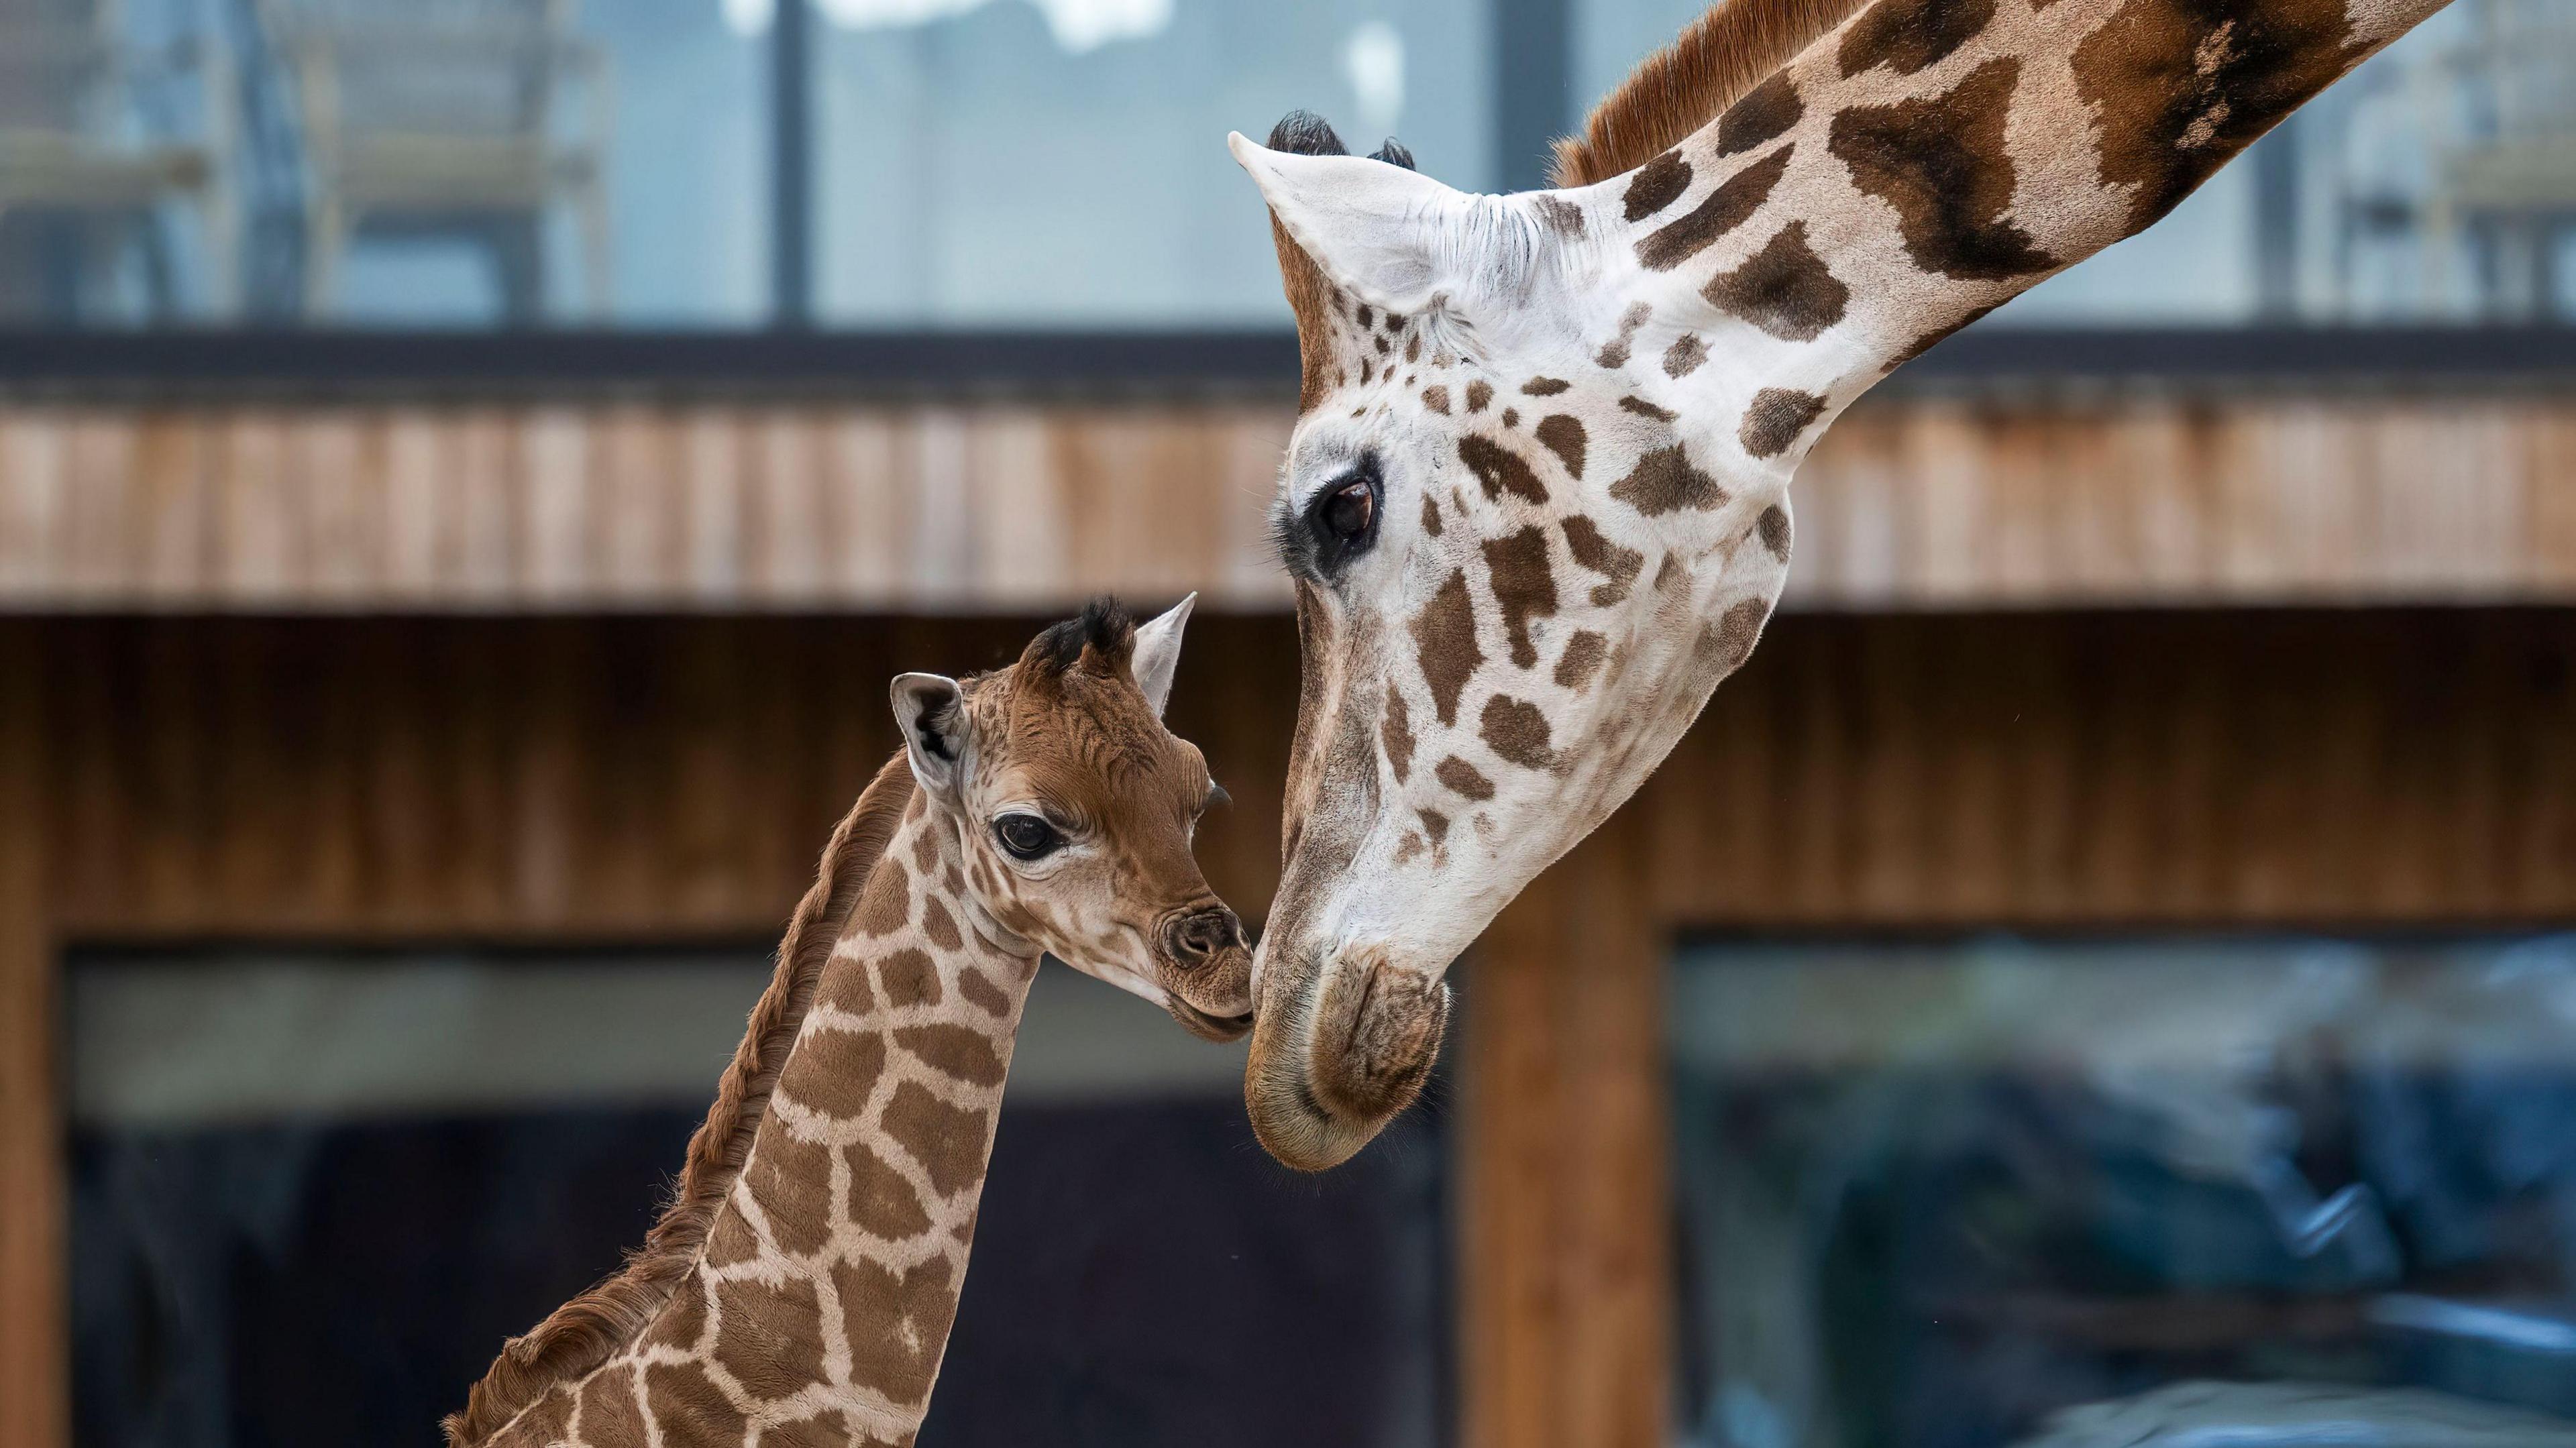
{"x":1561,"y":216}
{"x":1647,"y":410}
{"x":688,"y":1407}
{"x":1436,"y":398}
{"x":792,"y":1182}
{"x":732,"y":1242}
{"x":1581,"y":660}
{"x":546,"y":1419}
{"x":1444,"y":645}
{"x":1665,"y":482}
{"x":1685,"y":356}
{"x":1657,"y":184}
{"x":1524,"y":587}
{"x":1724,"y":209}
{"x":1614,"y":353}
{"x":1941,"y":163}
{"x":882,"y":1203}
{"x":1479,"y":393}
{"x":1726,"y":644}
{"x":1544,"y":386}
{"x":1464,"y":779}
{"x":954,"y":1051}
{"x":1774,"y":527}
{"x":684,"y":1318}
{"x":1499,"y":469}
{"x":1435,"y":825}
{"x":886,"y":904}
{"x":897,"y":1324}
{"x":769,"y":1337}
{"x":1511,"y":417}
{"x":939,"y":925}
{"x":1564,"y":436}
{"x":2180,"y":86}
{"x":1775,"y":420}
{"x":907,"y":977}
{"x":823,"y":1430}
{"x":833,"y":1071}
{"x":1517,"y":732}
{"x":948,"y":1141}
{"x":980,"y":991}
{"x":1430,"y":516}
{"x":610,"y":1410}
{"x":1911,"y":36}
{"x":1584,"y":541}
{"x":1395,"y":732}
{"x":1763,"y":115}
{"x":1785,"y":288}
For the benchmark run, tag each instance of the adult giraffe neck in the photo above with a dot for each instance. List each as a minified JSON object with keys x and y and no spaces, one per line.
{"x":819,"y":1308}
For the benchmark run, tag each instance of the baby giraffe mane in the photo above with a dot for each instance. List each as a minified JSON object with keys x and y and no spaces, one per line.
{"x":585,"y":1332}
{"x":1736,"y":46}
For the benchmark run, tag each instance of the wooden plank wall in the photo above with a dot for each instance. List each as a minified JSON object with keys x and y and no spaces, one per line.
{"x":719,"y":506}
{"x":34,"y":1256}
{"x":641,"y":779}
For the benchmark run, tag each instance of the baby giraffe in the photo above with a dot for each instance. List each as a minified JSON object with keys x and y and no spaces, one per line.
{"x":799,"y":1289}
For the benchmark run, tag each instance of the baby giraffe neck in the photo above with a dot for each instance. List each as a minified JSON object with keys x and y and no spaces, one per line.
{"x":821,"y":1306}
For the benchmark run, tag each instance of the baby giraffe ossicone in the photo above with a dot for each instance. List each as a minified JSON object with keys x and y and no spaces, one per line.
{"x":799,"y":1289}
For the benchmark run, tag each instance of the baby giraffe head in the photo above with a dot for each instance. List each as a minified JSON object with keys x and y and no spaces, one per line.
{"x":1074,"y":809}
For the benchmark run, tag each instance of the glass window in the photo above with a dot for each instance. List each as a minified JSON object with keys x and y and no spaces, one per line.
{"x":1040,"y":163}
{"x":1063,"y":162}
{"x":2295,"y":1192}
{"x":313,"y":1195}
{"x":380,"y":162}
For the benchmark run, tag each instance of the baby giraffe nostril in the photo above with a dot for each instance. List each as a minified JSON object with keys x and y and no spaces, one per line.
{"x":1199,"y":936}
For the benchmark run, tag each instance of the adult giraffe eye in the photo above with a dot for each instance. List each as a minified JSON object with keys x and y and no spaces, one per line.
{"x":1026,"y":836}
{"x":1343,"y":520}
{"x":1350,"y":511}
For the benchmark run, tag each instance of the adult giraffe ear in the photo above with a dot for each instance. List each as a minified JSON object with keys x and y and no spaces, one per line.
{"x":1158,"y":653}
{"x":1401,"y":242}
{"x":931,"y":711}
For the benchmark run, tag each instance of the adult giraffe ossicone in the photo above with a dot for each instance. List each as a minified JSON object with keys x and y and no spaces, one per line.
{"x":1536,"y":504}
{"x":800,"y":1287}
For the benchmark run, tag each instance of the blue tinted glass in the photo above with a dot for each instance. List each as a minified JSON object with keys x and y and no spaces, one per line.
{"x":1036,"y":162}
{"x":2294,"y":1192}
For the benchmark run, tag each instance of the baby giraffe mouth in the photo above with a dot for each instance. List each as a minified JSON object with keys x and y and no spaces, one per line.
{"x":1208,"y":1027}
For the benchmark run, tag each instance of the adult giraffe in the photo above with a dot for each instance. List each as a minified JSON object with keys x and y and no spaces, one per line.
{"x":1537,"y":501}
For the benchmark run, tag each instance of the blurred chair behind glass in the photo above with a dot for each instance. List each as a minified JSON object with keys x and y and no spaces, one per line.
{"x":2512,"y":183}
{"x":458,"y":120}
{"x":93,"y":144}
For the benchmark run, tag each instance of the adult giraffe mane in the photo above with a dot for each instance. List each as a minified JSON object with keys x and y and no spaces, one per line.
{"x":1736,"y":46}
{"x":587,"y":1331}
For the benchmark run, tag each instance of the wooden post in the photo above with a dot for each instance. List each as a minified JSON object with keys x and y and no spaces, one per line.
{"x":1565,"y":1271}
{"x":35,"y":1376}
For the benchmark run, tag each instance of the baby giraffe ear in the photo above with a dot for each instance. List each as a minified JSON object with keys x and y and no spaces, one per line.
{"x":1158,"y":654}
{"x":1398,"y":240}
{"x":931,"y":711}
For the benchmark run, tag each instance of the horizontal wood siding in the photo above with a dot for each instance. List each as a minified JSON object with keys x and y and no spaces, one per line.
{"x":1909,"y":503}
{"x":659,"y":779}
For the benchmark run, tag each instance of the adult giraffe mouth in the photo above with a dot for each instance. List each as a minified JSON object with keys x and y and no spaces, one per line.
{"x":1339,"y":1047}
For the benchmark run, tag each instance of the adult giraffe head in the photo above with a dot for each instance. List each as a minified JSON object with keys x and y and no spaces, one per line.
{"x":1536,"y":504}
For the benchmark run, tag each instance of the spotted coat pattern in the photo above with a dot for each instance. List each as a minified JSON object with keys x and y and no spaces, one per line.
{"x":1681,"y":335}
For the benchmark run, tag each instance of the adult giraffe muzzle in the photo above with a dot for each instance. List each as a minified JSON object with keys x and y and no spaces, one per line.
{"x":1536,"y":505}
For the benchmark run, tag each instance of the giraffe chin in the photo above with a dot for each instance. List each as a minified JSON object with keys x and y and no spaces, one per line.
{"x":1329,"y":1072}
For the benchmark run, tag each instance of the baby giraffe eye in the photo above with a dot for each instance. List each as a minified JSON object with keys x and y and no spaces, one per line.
{"x":1026,"y":836}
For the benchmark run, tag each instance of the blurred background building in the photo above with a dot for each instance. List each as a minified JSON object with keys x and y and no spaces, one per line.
{"x":467,"y":468}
